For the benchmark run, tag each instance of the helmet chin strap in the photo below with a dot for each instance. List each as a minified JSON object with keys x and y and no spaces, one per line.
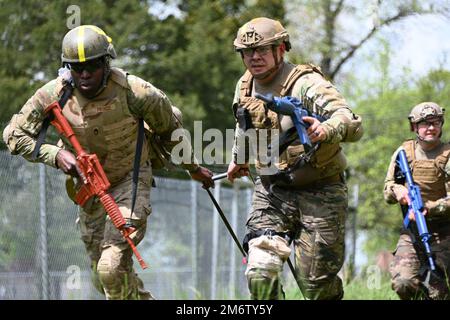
{"x":423,"y":140}
{"x":106,"y":73}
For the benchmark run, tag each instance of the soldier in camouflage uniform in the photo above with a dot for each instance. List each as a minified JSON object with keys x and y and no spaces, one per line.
{"x":311,"y":211}
{"x":103,"y":111}
{"x":428,"y":159}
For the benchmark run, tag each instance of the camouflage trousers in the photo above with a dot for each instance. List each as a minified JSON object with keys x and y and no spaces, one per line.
{"x":109,"y":253}
{"x":408,"y":268}
{"x":314,"y":219}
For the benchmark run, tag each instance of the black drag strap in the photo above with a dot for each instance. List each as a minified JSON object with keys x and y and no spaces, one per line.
{"x":67,"y":92}
{"x":137,"y":162}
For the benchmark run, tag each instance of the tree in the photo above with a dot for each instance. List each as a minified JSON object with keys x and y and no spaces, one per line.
{"x":331,"y":32}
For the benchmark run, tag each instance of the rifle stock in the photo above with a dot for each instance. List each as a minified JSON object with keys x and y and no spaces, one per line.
{"x":95,"y":181}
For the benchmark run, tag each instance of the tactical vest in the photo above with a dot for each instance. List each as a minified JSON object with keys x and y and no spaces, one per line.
{"x":429,"y":174}
{"x":105,"y":126}
{"x":328,"y":159}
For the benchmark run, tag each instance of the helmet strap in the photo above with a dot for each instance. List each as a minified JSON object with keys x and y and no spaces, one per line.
{"x":106,"y":73}
{"x":107,"y":70}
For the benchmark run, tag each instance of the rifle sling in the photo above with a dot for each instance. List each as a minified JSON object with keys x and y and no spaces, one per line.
{"x":67,"y":92}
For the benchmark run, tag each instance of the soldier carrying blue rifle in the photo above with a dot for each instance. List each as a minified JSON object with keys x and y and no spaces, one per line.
{"x":415,"y":208}
{"x":418,"y":179}
{"x":303,"y":200}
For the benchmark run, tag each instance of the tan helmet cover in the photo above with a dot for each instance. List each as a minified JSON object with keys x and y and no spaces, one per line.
{"x":260,"y":32}
{"x":425,"y":110}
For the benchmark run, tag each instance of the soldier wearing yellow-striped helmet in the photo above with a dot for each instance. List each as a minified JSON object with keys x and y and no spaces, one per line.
{"x":86,"y":51}
{"x":86,"y":43}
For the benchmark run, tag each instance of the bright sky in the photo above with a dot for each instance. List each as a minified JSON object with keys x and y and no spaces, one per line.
{"x":418,"y":44}
{"x":424,"y":44}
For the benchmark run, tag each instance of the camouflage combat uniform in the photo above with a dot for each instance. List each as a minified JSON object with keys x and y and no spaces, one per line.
{"x":107,"y":126}
{"x":431,"y":171}
{"x":312,"y":212}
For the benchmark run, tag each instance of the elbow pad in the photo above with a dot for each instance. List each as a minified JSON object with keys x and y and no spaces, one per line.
{"x":354,"y":129}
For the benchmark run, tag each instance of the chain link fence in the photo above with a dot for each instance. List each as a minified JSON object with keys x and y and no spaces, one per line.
{"x":189,"y":251}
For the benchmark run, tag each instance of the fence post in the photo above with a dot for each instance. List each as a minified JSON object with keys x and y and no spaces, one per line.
{"x":194,"y":233}
{"x":43,"y":232}
{"x":234,"y":216}
{"x":215,"y":242}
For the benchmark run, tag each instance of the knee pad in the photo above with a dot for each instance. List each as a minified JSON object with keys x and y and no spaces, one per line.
{"x":266,"y":255}
{"x":109,"y":277}
{"x":109,"y":270}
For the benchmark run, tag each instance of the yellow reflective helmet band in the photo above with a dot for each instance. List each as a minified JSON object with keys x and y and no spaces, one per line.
{"x":80,"y":38}
{"x":99,"y":31}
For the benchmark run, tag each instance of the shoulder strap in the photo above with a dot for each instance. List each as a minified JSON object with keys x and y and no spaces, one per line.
{"x":296,"y":73}
{"x":409,"y":146}
{"x":137,"y":161}
{"x":119,"y":76}
{"x":66,"y":93}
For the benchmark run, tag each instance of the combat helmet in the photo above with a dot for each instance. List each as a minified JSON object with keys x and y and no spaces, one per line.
{"x":84,"y":43}
{"x":425,"y":110}
{"x":260,"y":32}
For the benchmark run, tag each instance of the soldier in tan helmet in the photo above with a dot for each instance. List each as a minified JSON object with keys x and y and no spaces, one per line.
{"x":103,"y":110}
{"x":311,"y":211}
{"x":428,"y":159}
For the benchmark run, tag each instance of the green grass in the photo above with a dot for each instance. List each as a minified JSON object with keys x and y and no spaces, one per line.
{"x":366,"y":289}
{"x":357,"y":289}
